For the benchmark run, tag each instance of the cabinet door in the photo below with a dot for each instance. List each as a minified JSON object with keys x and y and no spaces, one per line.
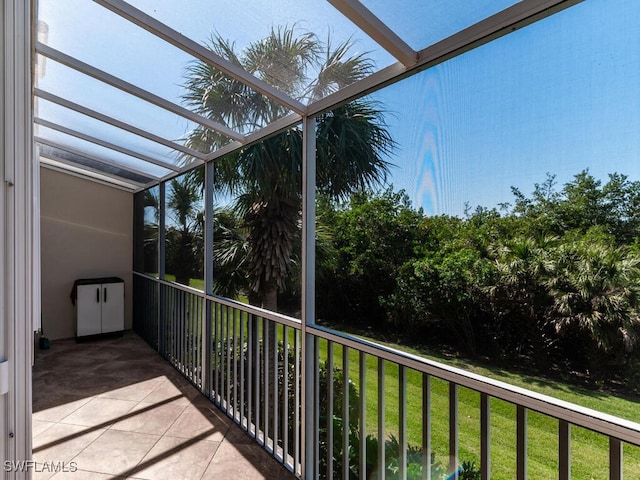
{"x":89,"y":310}
{"x":112,"y":307}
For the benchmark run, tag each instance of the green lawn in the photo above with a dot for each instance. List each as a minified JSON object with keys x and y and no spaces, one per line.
{"x":196,"y":283}
{"x":589,"y":450}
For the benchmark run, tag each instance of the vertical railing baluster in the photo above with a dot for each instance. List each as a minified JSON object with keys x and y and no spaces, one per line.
{"x":220,"y":343}
{"x":267,"y":390}
{"x":193,"y":321}
{"x":171,"y":318}
{"x":453,"y":429}
{"x":251,"y":372}
{"x":195,"y":312}
{"x":222,"y":355}
{"x":297,"y":394}
{"x":228,"y":360}
{"x":316,"y":406}
{"x":521,"y":443}
{"x":615,"y":459}
{"x":276,"y":389}
{"x":170,"y":324}
{"x":186,"y":332}
{"x":181,"y":325}
{"x":382,"y":464}
{"x":564,"y":450}
{"x":243,"y":415}
{"x":402,"y":420}
{"x":219,"y":375}
{"x":363,"y":415}
{"x":330,"y":394}
{"x":199,"y":338}
{"x":190,"y":329}
{"x":485,"y":436}
{"x":345,"y":412}
{"x":215,"y":351}
{"x":426,"y":426}
{"x":207,"y":353}
{"x":257,"y":376}
{"x":167,"y":326}
{"x":235,"y":401}
{"x":285,"y":394}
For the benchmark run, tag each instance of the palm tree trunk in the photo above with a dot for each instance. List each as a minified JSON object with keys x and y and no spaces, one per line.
{"x":270,"y":297}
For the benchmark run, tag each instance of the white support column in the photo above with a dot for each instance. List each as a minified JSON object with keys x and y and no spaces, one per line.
{"x":17,"y":234}
{"x":308,"y":290}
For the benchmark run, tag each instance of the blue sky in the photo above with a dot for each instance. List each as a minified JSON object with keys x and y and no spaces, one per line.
{"x":556,"y":97}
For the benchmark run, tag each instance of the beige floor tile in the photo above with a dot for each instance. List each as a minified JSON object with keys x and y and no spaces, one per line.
{"x":132,"y":390}
{"x":150,"y":418}
{"x":82,"y":475}
{"x":60,"y":443}
{"x":174,"y":458}
{"x":115,"y":452}
{"x":243,"y":462}
{"x":168,"y":390}
{"x":63,"y":406}
{"x":199,"y":422}
{"x":39,"y":426}
{"x":100,"y":412}
{"x":118,"y":410}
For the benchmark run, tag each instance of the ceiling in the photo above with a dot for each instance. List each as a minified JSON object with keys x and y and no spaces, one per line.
{"x":111,"y":96}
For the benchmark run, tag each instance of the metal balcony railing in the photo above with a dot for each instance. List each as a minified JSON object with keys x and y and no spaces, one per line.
{"x":249,"y":362}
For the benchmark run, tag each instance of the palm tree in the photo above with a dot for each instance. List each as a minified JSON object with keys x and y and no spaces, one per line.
{"x":151,"y":205}
{"x":184,"y":235}
{"x":266,"y":178}
{"x":519,"y":299}
{"x":596,"y":288}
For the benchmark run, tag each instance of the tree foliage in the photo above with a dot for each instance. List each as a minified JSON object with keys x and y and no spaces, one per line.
{"x":553,"y":280}
{"x":264,"y":180}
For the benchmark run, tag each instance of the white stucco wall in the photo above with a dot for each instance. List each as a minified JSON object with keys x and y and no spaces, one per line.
{"x":86,"y":231}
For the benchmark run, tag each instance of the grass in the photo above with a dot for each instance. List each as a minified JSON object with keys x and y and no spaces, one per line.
{"x":197,"y":283}
{"x":589,"y":450}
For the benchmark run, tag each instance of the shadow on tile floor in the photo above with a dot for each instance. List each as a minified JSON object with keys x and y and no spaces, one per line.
{"x":113,"y":408}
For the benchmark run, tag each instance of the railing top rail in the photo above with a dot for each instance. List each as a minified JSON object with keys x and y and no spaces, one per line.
{"x":261,"y":312}
{"x":603,"y":423}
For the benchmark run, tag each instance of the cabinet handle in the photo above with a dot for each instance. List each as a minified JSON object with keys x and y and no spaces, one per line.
{"x":105,"y":294}
{"x":97,"y":295}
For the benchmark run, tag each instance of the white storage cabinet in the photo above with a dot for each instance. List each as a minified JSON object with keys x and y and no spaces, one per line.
{"x":99,"y":306}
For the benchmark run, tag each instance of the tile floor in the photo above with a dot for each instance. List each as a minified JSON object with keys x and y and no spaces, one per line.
{"x":113,"y":408}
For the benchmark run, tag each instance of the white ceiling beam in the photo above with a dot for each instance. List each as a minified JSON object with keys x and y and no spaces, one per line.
{"x":506,"y":21}
{"x":116,"y":123}
{"x":271,"y":129}
{"x":80,"y":153}
{"x":200,"y":52}
{"x":120,"y":84}
{"x":515,"y":17}
{"x":377,"y":30}
{"x":59,"y":165}
{"x":104,"y":143}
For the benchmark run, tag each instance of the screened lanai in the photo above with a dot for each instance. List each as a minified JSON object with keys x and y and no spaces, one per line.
{"x":202,"y":152}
